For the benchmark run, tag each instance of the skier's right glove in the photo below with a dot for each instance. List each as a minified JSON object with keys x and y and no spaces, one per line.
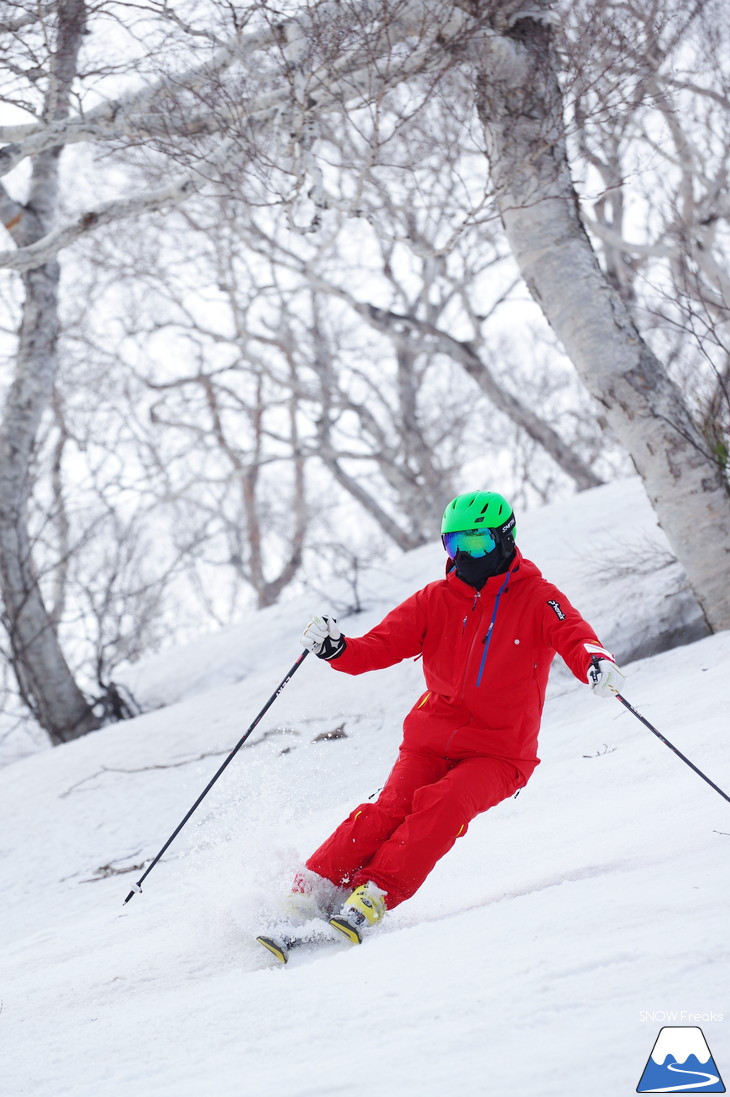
{"x":323,"y":637}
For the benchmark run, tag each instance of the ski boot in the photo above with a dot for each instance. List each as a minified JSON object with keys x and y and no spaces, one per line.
{"x":364,"y":908}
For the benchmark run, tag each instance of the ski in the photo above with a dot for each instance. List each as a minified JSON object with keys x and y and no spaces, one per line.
{"x":347,"y":930}
{"x":280,"y":940}
{"x":277,"y":947}
{"x":281,"y":943}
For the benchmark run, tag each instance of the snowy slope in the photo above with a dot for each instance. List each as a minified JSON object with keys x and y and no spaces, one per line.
{"x":527,"y":963}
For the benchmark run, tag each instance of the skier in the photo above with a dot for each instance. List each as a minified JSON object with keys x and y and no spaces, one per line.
{"x":488,"y":633}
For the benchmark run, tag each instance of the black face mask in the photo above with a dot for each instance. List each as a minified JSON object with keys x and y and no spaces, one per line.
{"x":475,"y":570}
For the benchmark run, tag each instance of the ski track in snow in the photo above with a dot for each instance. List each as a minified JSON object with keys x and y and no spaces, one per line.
{"x":521,"y":967}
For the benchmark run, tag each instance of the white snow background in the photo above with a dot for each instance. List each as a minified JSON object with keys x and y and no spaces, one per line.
{"x":527,"y":963}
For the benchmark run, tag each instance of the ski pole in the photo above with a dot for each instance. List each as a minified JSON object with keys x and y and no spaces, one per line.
{"x":137,"y":888}
{"x":671,"y":746}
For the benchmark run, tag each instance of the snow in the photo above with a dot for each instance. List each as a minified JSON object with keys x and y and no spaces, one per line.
{"x":532,"y":962}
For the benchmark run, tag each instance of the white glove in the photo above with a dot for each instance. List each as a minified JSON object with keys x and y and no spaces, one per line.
{"x":323,"y":637}
{"x":605,"y":678}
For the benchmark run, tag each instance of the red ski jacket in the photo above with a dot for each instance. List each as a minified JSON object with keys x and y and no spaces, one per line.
{"x":486,"y":659}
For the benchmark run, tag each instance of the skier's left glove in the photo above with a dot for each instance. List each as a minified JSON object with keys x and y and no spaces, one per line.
{"x":605,"y":678}
{"x":323,"y":637}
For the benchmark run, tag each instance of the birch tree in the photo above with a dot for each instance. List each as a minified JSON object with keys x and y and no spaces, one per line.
{"x":199,"y":123}
{"x":521,"y":107}
{"x":663,"y":237}
{"x":43,"y":675}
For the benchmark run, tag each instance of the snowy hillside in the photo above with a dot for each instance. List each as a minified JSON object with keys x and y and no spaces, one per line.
{"x":542,"y":956}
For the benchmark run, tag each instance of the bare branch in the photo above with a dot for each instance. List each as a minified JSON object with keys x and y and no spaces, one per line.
{"x":28,"y":18}
{"x":348,"y":78}
{"x":34,"y":255}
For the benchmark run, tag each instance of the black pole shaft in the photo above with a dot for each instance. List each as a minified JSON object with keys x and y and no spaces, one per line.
{"x":138,"y":886}
{"x":671,"y":746}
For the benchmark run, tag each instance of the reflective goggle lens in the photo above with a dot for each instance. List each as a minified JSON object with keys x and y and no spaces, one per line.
{"x":475,"y":542}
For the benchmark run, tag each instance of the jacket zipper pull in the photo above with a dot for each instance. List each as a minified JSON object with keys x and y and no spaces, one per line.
{"x":463,"y":626}
{"x":476,"y":598}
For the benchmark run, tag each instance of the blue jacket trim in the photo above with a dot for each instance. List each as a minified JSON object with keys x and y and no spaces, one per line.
{"x":488,"y":638}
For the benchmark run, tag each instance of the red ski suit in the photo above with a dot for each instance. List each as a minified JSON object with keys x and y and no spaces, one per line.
{"x":471,"y":739}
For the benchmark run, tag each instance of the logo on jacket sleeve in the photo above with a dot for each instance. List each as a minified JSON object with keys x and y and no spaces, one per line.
{"x":555,"y":607}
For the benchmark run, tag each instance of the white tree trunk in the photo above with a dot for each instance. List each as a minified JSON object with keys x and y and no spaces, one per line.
{"x":520,"y":106}
{"x":41,"y":670}
{"x":43,"y":675}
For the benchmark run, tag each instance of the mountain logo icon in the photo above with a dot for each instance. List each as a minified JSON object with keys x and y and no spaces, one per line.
{"x":680,"y":1062}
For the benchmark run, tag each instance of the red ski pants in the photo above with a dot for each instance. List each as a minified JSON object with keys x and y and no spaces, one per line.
{"x":426,"y":804}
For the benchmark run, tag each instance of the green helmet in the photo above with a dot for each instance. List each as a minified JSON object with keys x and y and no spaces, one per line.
{"x":477,"y":509}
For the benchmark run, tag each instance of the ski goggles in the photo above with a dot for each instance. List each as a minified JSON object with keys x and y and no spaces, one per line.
{"x":475,"y":542}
